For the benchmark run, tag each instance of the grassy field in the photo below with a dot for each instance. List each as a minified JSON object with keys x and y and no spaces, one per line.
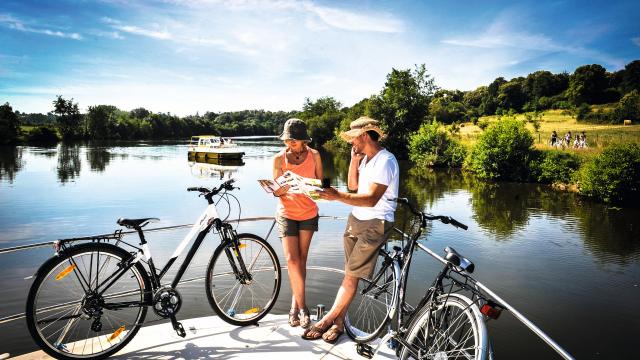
{"x":598,"y":136}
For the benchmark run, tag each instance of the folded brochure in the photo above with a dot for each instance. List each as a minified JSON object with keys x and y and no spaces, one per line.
{"x":297,"y":185}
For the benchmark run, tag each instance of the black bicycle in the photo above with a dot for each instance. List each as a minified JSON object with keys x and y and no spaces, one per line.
{"x":447,"y":323}
{"x":91,"y":298}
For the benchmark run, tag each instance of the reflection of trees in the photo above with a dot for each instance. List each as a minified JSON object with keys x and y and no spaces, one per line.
{"x":98,"y":158}
{"x":69,"y":163}
{"x":500,"y":208}
{"x":335,"y":166}
{"x":10,"y":162}
{"x":609,"y":231}
{"x":428,"y":186}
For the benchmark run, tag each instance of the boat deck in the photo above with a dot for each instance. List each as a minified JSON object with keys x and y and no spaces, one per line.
{"x":212,"y":338}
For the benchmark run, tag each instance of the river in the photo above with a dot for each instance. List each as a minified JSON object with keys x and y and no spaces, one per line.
{"x":570,"y":265}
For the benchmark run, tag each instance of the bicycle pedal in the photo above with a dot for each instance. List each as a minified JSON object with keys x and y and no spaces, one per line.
{"x":364,"y":350}
{"x":180,"y":330}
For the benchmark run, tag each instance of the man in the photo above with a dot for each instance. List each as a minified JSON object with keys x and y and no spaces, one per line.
{"x":374,"y":173}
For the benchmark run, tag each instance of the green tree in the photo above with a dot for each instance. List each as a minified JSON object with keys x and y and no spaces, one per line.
{"x":69,"y":117}
{"x":628,"y":107}
{"x":100,"y":121}
{"x":402,"y":106}
{"x":511,"y":95}
{"x":587,"y":85}
{"x":502,"y":151}
{"x":432,"y":146}
{"x":9,"y":124}
{"x":631,"y":76}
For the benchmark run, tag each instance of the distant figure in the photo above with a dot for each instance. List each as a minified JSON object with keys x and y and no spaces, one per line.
{"x":576,"y":142}
{"x":583,"y":140}
{"x":554,"y":138}
{"x":221,"y":141}
{"x":567,"y":138}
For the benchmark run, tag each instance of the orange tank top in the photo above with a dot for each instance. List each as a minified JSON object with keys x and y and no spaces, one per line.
{"x":298,"y":206}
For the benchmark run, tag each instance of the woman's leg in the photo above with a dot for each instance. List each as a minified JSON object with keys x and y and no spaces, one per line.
{"x":291,"y":246}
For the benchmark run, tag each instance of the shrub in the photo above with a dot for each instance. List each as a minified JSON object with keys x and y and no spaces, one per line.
{"x":555,"y":167}
{"x":628,"y":108}
{"x":43,"y":134}
{"x":613,"y":176}
{"x":432,"y":146}
{"x":502,"y":151}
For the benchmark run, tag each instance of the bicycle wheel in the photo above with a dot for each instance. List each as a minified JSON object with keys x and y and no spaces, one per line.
{"x":374,"y":302}
{"x":452,"y":328}
{"x":69,"y":319}
{"x":237,"y":302}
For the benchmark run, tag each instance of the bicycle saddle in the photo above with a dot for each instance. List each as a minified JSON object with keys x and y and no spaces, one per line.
{"x":135,"y":223}
{"x":458,"y":260}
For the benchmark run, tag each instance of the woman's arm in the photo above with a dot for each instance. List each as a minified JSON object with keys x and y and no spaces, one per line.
{"x":277,"y":165}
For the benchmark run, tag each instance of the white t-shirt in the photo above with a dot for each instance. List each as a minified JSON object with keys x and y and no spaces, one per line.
{"x":382,"y":169}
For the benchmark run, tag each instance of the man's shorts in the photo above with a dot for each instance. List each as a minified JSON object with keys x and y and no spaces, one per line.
{"x":288,"y":227}
{"x":362,"y":240}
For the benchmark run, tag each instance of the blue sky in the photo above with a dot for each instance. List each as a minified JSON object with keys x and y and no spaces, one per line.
{"x":185,"y":57}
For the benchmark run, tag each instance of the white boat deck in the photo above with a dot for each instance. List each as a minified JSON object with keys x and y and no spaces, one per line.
{"x":212,"y":338}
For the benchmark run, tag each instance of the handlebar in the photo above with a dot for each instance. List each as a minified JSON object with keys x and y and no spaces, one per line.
{"x":425,"y":216}
{"x":227,"y":185}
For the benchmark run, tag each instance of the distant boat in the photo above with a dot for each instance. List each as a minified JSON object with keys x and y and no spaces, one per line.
{"x":213,"y":147}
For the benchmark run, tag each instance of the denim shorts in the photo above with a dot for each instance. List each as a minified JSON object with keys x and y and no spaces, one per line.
{"x":289,"y":227}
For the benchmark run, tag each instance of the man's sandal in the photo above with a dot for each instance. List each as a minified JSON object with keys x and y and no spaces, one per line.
{"x":294,"y":320}
{"x":305,"y":322}
{"x":333,"y":333}
{"x":316,"y":329}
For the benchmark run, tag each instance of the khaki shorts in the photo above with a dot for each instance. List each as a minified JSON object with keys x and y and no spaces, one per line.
{"x":362,"y":240}
{"x":288,"y":227}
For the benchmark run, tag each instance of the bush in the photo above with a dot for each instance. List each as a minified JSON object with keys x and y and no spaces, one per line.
{"x":432,"y":146}
{"x":554,"y":167}
{"x":613,"y":176}
{"x":503,"y":151}
{"x":628,"y":108}
{"x":43,"y":134}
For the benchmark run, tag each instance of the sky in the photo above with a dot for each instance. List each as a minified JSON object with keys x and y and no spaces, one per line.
{"x":188,"y":57}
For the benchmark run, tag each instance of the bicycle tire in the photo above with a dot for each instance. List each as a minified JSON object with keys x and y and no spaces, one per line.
{"x":116,"y":329}
{"x":237,"y":309}
{"x":369,"y":313}
{"x":457,"y":313}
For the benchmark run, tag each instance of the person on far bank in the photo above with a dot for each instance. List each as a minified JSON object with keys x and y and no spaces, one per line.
{"x":374,"y":175}
{"x":297,"y":214}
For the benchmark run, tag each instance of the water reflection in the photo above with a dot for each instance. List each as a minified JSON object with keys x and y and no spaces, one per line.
{"x":98,"y":158}
{"x":69,"y":164}
{"x":10,"y":162}
{"x":214,"y":168}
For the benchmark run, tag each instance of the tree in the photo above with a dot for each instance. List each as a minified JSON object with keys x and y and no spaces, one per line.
{"x":628,"y":107}
{"x":446,"y":107}
{"x":322,"y":117}
{"x":631,"y":76}
{"x":9,"y":124}
{"x":100,"y":120}
{"x":139,"y":113}
{"x":69,"y":117}
{"x":588,"y":84}
{"x":402,"y":106}
{"x":511,"y":95}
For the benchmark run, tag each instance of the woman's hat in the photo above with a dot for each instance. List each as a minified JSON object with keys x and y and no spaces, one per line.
{"x":295,"y":129}
{"x":361,"y":125}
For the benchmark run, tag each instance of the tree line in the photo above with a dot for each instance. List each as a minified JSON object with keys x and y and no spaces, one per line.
{"x":408,"y":99}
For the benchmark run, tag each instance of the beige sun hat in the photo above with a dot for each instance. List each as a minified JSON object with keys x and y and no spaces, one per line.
{"x":360,"y":125}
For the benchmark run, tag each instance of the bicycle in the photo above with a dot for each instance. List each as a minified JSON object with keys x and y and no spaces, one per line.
{"x":446,"y":323}
{"x":90,"y":299}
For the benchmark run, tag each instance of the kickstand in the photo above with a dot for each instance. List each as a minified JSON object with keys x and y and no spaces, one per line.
{"x":178,"y":327}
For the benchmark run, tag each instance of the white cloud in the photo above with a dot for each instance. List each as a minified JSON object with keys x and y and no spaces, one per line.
{"x":636,"y":40}
{"x":137,"y":30}
{"x":18,"y":25}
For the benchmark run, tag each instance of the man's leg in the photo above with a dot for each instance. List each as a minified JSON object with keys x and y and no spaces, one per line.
{"x":335,"y":316}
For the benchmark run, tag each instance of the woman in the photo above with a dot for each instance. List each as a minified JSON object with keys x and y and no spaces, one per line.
{"x":297,"y":214}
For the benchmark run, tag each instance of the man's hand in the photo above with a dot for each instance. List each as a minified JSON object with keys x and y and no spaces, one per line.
{"x":356,"y":156}
{"x":328,"y":194}
{"x":283,"y":190}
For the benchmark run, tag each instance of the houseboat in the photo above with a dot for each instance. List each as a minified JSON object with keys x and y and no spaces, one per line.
{"x":213,"y":147}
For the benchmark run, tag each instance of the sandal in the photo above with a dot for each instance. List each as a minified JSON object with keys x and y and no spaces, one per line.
{"x":332,"y":331}
{"x":305,"y":322}
{"x":318,"y":330}
{"x":294,"y":320}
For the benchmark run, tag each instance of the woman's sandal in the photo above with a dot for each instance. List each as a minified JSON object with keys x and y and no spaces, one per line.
{"x":333,"y":332}
{"x":305,"y":322}
{"x":294,"y":320}
{"x":316,"y":329}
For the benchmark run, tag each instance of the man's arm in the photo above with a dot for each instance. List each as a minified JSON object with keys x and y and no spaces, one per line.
{"x":352,"y":179}
{"x":369,"y":199}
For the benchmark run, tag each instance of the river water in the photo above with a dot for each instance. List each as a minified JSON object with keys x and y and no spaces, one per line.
{"x":571,"y":266}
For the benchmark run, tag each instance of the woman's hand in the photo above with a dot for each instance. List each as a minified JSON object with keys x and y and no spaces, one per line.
{"x":281,"y":191}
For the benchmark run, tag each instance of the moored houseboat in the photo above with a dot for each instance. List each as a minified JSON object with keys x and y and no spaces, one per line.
{"x":213,"y":147}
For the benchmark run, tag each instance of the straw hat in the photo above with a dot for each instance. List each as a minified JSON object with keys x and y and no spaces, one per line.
{"x":361,"y":125}
{"x":295,"y":129}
